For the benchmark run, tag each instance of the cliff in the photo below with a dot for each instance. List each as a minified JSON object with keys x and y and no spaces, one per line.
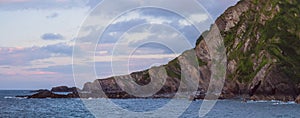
{"x":262,"y":40}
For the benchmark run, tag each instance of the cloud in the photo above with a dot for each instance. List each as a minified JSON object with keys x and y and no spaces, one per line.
{"x":26,"y":73}
{"x":199,"y":17}
{"x":136,"y":36}
{"x":52,"y":36}
{"x":65,"y":69}
{"x":93,"y":3}
{"x":21,"y":56}
{"x":13,"y":1}
{"x":135,"y":18}
{"x":24,"y":56}
{"x":153,"y":37}
{"x":54,"y":15}
{"x":32,"y":79}
{"x":139,"y":15}
{"x":41,"y":4}
{"x":60,"y":48}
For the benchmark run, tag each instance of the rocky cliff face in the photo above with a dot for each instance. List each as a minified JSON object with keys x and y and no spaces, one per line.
{"x":263,"y":48}
{"x":262,"y":40}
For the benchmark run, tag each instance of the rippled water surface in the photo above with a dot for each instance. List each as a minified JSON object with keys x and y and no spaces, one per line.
{"x":18,"y":107}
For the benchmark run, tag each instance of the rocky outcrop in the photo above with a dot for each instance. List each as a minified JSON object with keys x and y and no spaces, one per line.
{"x":262,"y":46}
{"x":40,"y":90}
{"x":44,"y":93}
{"x":231,"y":17}
{"x":275,"y":86}
{"x":49,"y":94}
{"x":63,"y":89}
{"x":298,"y":99}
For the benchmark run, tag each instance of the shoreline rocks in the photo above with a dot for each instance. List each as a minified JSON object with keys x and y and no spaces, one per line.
{"x":64,"y":89}
{"x":40,"y":90}
{"x":44,"y":93}
{"x":298,"y":100}
{"x":49,"y":94}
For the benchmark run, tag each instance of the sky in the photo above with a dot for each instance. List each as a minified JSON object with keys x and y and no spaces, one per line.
{"x":37,"y":38}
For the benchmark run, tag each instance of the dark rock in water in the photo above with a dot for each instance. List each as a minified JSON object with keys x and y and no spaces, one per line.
{"x":40,"y":90}
{"x":298,"y":99}
{"x":63,"y":89}
{"x":49,"y":94}
{"x":44,"y":93}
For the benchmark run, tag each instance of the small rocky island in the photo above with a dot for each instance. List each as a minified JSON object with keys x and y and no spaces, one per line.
{"x":53,"y":93}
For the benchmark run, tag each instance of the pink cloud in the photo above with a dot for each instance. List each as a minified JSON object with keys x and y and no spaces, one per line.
{"x":10,"y":72}
{"x":19,"y":55}
{"x":41,"y":73}
{"x":61,"y":0}
{"x":13,"y":1}
{"x":20,"y":1}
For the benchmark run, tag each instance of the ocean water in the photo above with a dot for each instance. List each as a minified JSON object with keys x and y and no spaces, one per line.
{"x":64,"y":108}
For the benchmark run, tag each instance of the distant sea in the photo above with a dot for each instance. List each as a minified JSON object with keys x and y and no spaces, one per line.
{"x":11,"y":107}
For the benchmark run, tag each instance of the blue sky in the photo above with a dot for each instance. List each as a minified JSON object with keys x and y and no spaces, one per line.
{"x":37,"y":38}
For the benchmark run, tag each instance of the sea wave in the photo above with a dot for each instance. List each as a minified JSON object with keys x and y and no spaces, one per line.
{"x":13,"y":97}
{"x":274,"y":102}
{"x":284,"y":103}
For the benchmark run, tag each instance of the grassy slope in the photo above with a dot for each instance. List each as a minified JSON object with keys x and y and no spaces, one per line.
{"x":278,"y":36}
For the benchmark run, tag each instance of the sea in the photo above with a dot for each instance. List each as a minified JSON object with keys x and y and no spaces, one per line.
{"x":12,"y":107}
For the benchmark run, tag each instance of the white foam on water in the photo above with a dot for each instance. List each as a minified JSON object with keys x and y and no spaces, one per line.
{"x":9,"y":97}
{"x":12,"y":97}
{"x":274,"y":102}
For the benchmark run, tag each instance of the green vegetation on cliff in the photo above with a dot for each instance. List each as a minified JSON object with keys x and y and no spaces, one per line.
{"x":271,"y":26}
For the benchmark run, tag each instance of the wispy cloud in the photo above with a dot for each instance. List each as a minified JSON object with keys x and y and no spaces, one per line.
{"x":52,"y":36}
{"x":53,"y":15}
{"x":14,"y":1}
{"x":23,"y":56}
{"x":41,"y":4}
